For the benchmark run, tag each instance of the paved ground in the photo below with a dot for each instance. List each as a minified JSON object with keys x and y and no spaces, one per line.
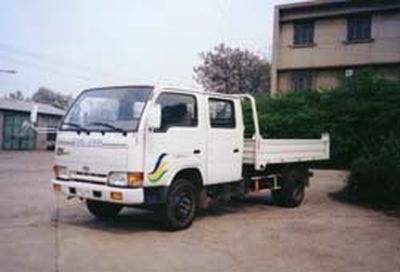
{"x":40,"y":231}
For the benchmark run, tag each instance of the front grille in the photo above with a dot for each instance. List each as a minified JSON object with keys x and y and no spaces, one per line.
{"x":89,"y":181}
{"x":88,"y":177}
{"x":90,"y":174}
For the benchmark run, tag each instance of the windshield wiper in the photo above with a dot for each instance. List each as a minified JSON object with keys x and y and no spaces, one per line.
{"x":108,"y":126}
{"x":75,"y":125}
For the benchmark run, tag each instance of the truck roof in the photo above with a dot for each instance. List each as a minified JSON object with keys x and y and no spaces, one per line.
{"x":188,"y":90}
{"x":171,"y":88}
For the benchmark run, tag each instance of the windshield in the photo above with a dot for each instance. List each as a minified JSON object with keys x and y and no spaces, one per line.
{"x":107,"y":109}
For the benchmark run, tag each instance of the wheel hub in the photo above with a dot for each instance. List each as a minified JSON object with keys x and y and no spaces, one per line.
{"x":297,"y":192}
{"x":184,"y":206}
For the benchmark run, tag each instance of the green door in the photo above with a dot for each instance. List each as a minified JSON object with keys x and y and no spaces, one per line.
{"x":12,"y":138}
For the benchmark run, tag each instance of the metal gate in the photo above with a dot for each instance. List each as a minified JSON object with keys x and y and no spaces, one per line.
{"x":12,"y":138}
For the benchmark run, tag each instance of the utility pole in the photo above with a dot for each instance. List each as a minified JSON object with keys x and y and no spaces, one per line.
{"x":8,"y":71}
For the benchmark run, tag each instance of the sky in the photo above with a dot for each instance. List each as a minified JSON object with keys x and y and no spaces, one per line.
{"x":69,"y":46}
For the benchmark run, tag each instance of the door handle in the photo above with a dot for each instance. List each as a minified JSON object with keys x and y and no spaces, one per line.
{"x":196,"y":151}
{"x":236,"y":150}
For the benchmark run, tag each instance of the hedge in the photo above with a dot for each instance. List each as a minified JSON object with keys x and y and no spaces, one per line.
{"x":362,"y":116}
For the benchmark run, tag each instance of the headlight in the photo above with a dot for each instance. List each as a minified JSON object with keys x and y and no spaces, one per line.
{"x":125,"y":179}
{"x":61,"y":172}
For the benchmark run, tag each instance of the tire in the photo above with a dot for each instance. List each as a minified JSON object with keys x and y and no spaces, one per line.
{"x":277,"y":197}
{"x":103,"y":210}
{"x":181,"y":205}
{"x":292,"y":189}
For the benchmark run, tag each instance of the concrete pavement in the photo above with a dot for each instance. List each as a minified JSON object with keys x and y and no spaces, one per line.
{"x":40,"y":231}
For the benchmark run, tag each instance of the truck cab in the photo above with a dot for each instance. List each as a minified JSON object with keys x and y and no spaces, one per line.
{"x":159,"y":147}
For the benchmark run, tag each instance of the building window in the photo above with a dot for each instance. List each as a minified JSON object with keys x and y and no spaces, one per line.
{"x":301,"y":80}
{"x":359,"y":28}
{"x":303,"y":33}
{"x":177,"y":110}
{"x":222,"y":113}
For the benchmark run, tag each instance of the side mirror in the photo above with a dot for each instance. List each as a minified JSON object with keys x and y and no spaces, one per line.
{"x":34,"y":113}
{"x":154,"y":117}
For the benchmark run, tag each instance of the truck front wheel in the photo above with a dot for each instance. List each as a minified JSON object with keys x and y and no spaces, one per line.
{"x":291,"y":193}
{"x":180,"y":208}
{"x":103,"y":210}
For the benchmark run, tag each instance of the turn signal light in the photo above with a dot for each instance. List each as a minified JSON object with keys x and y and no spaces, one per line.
{"x":56,"y":187}
{"x":116,"y":195}
{"x":135,"y":179}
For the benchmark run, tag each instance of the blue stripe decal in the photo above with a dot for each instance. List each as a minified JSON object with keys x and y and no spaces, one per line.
{"x":158,"y":162}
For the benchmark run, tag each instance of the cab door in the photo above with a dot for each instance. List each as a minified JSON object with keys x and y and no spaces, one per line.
{"x":225,"y":140}
{"x":180,"y":142}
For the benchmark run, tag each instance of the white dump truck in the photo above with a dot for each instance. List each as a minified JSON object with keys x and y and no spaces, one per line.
{"x":171,"y":149}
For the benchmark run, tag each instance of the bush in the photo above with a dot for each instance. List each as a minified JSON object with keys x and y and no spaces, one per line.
{"x":358,"y":115}
{"x":292,"y":115}
{"x":375,"y":176}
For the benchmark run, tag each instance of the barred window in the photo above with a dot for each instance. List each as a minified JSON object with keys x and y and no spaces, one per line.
{"x":301,"y":80}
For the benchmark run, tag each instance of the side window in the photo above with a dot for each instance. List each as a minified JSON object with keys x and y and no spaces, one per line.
{"x":222,"y":113}
{"x":177,"y":110}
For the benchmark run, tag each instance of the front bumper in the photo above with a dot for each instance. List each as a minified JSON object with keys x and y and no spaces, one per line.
{"x":99,"y":192}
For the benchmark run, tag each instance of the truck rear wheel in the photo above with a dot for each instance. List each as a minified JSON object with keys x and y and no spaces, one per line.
{"x":180,"y":208}
{"x":291,"y":193}
{"x":103,"y":210}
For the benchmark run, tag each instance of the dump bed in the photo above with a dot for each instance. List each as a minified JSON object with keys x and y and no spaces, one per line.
{"x":261,"y":152}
